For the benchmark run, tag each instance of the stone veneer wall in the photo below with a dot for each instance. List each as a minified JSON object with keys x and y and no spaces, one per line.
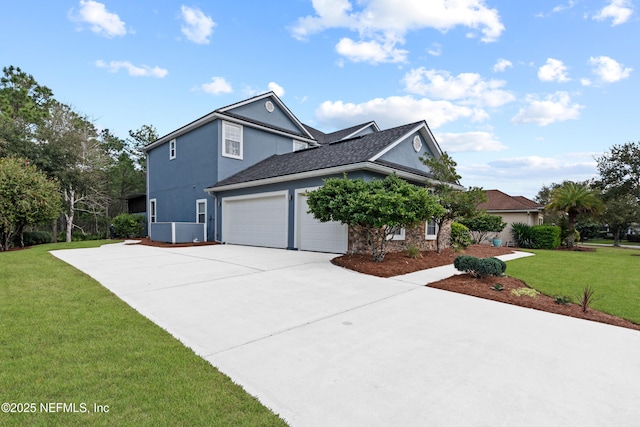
{"x":412,"y":236}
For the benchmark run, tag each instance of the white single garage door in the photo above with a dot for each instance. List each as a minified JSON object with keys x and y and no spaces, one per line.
{"x":313,"y":235}
{"x":256,"y":220}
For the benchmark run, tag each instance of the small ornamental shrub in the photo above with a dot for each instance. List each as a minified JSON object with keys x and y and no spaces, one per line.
{"x":128,"y":225}
{"x":478,"y":267}
{"x":563,"y":300}
{"x":413,"y":251}
{"x":586,"y":298}
{"x":460,"y":236}
{"x":525,"y":291}
{"x":523,"y":235}
{"x":497,"y":287}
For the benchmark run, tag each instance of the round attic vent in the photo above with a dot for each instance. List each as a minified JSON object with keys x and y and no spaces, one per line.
{"x":417,"y":143}
{"x":269,"y":106}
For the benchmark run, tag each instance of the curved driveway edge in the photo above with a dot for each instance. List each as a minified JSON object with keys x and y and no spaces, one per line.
{"x":321,"y":345}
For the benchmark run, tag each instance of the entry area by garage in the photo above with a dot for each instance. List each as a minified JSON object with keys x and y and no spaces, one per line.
{"x":263,"y":220}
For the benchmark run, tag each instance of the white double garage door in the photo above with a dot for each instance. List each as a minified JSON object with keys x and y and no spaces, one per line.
{"x":263,"y":220}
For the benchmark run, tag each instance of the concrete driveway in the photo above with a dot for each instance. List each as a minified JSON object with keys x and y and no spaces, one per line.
{"x":324,"y":346}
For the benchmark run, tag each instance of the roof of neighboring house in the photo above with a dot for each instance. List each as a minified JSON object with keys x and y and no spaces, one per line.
{"x":499,"y":201}
{"x":324,"y":138}
{"x":356,"y":150}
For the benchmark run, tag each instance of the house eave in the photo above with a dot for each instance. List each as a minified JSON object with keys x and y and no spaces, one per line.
{"x":368,"y":166}
{"x":221,"y":116}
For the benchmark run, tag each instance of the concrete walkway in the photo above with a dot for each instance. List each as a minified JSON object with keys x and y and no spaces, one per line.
{"x":324,"y":346}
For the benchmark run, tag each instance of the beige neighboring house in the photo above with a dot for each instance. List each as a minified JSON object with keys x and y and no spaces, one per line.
{"x":512,"y":209}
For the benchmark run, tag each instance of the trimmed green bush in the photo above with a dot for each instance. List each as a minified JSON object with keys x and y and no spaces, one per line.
{"x":480,"y":267}
{"x":460,"y":236}
{"x":128,"y":225}
{"x":633,"y":237}
{"x":546,"y":236}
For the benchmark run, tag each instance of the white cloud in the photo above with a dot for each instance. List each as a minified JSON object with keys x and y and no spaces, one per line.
{"x":388,"y":21}
{"x":133,"y":70}
{"x":585,"y":82}
{"x":371,"y":51}
{"x":553,"y":70}
{"x":217,"y":86}
{"x":197,"y":26}
{"x":609,"y":70}
{"x":618,"y":10}
{"x":562,"y":7}
{"x":101,"y":21}
{"x":394,"y":111}
{"x":276,"y":88}
{"x":435,"y":49}
{"x":556,"y":107}
{"x":502,"y":65}
{"x":469,"y":88}
{"x":469,"y":141}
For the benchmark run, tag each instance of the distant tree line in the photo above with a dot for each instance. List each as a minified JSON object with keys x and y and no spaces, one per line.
{"x":91,"y":170}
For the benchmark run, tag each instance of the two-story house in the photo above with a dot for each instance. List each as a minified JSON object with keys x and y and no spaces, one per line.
{"x":239,"y":175}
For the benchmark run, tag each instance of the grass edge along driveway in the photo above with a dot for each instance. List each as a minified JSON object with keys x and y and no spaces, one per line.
{"x":611,"y":272}
{"x":74,"y":354}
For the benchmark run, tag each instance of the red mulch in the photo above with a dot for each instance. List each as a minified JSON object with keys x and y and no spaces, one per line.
{"x":400,"y":263}
{"x":147,"y":242}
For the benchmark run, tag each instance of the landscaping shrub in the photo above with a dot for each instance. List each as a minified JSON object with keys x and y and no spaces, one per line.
{"x":633,"y":237}
{"x":32,"y":238}
{"x":480,"y":267}
{"x":460,"y":236}
{"x":523,"y":235}
{"x":128,"y":225}
{"x":483,"y":225}
{"x":546,"y":236}
{"x":413,"y":251}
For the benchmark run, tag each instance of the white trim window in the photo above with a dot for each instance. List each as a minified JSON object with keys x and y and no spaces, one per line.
{"x":152,"y":210}
{"x":232,"y":140}
{"x":430,"y":230}
{"x":299,"y":145}
{"x":201,"y":211}
{"x":172,"y":149}
{"x":398,"y":234}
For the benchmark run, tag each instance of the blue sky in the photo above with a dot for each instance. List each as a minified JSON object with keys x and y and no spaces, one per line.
{"x":520,"y":93}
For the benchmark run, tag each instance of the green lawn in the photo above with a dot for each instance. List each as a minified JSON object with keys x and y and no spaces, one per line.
{"x":611,"y":272}
{"x":610,"y":242}
{"x":64,"y":339}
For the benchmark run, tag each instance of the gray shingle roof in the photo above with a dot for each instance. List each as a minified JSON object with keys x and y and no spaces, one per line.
{"x":328,"y":155}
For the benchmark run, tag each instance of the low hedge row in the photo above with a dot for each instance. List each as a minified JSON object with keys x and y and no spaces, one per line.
{"x":480,"y":267}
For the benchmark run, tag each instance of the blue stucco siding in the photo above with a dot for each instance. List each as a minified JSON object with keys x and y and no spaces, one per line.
{"x":177,"y":183}
{"x":257,"y":111}
{"x":404,"y":154}
{"x":257,"y":146}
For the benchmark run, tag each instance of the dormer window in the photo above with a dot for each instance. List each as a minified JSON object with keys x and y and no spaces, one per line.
{"x":232,"y":140}
{"x":299,"y":145}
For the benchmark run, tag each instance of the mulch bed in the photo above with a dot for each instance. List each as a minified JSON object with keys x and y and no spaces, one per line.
{"x":395,"y":264}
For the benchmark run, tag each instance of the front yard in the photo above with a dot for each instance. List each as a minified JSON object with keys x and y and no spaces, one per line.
{"x":74,"y":354}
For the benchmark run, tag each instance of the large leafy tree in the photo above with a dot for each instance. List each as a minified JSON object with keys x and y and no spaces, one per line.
{"x":620,"y":169}
{"x":373,"y":209}
{"x":457,"y":204}
{"x":27,"y":197}
{"x":24,"y":105}
{"x":574,"y":199}
{"x":138,"y":139}
{"x":620,"y":211}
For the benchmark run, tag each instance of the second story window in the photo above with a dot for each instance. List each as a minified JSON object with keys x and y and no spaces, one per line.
{"x":232,"y":140}
{"x":172,"y":149}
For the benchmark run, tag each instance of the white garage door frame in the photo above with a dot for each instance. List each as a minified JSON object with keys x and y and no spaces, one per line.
{"x":337,"y":234}
{"x":276,"y":231}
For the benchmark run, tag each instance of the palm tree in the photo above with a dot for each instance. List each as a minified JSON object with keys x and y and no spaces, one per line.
{"x":574,"y":199}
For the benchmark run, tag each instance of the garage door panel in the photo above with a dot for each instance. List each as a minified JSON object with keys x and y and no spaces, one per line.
{"x":314,"y":235}
{"x":256,"y":221}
